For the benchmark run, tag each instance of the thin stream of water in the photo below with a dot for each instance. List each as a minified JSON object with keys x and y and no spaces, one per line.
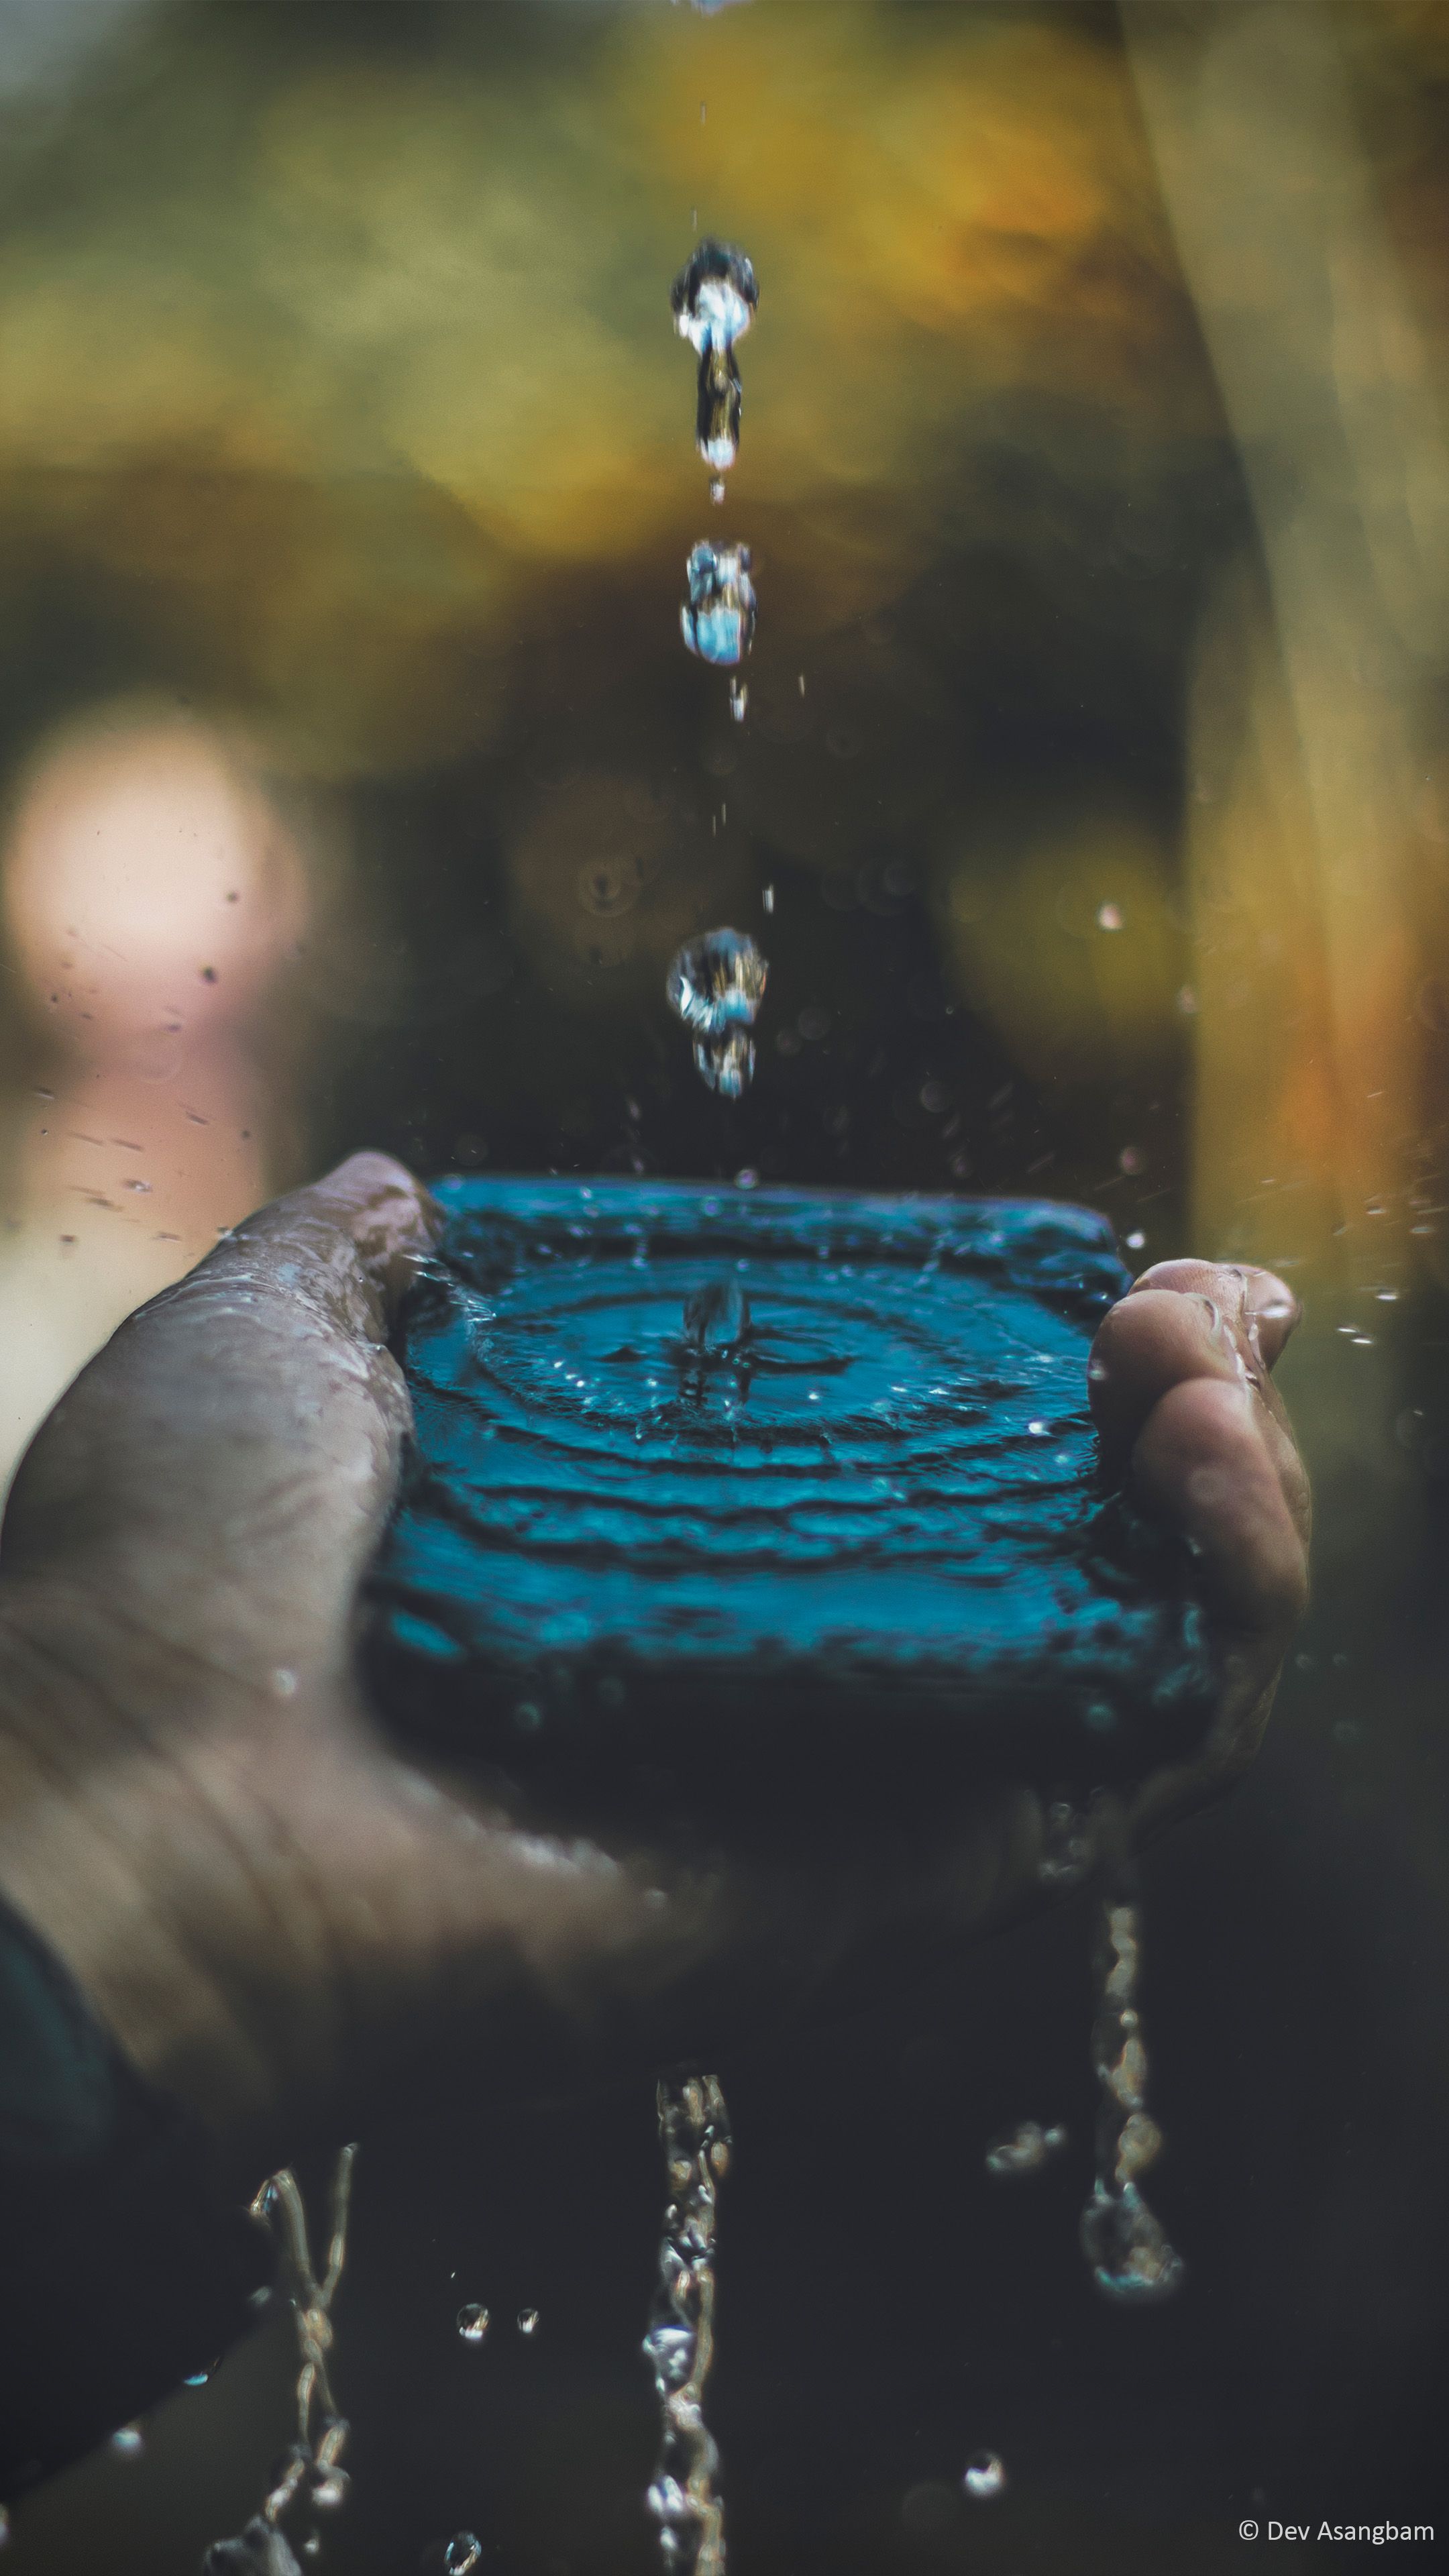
{"x":684,"y":2499}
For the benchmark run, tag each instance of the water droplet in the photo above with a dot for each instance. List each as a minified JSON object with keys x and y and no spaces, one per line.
{"x":1109,"y":916}
{"x":283,"y":1683}
{"x":1135,"y":1242}
{"x":717,"y":489}
{"x":1131,"y":1158}
{"x":717,"y":620}
{"x":473,"y":2322}
{"x":985,"y":2476}
{"x":767,"y":899}
{"x":715,"y":986}
{"x":462,"y":2554}
{"x":130,"y":2441}
{"x":739,"y":700}
{"x":528,"y":2321}
{"x":1027,"y":2149}
{"x":713,"y":301}
{"x":327,"y":2488}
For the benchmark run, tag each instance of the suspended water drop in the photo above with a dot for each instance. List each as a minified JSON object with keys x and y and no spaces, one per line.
{"x":462,"y":2554}
{"x":713,"y":301}
{"x":472,"y":2322}
{"x":130,"y":2441}
{"x":717,"y":620}
{"x":717,"y":1316}
{"x":1026,"y":2150}
{"x":715,"y":986}
{"x":985,"y":2476}
{"x":528,"y":2321}
{"x":717,"y":982}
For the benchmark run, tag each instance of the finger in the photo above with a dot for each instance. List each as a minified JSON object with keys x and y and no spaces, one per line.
{"x":1186,"y":1319}
{"x":1202,"y":1458}
{"x":223,"y":1468}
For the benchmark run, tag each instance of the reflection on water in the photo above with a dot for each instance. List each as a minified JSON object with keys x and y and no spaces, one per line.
{"x":1093,"y":784}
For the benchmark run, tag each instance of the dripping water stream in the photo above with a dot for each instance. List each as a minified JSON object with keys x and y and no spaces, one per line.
{"x":684,"y":2499}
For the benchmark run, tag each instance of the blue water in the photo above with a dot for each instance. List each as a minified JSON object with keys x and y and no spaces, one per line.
{"x":864,"y":1544}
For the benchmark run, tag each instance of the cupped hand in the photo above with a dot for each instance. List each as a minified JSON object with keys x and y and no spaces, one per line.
{"x":269,"y":1902}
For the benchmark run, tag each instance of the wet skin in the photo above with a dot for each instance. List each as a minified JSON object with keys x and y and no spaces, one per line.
{"x":275,"y":1908}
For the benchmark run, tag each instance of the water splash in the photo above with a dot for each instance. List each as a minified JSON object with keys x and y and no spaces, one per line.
{"x":713,"y":300}
{"x":1124,"y":2243}
{"x":717,"y":1316}
{"x":1028,"y":2149}
{"x":679,"y":2346}
{"x":715,"y":986}
{"x":717,"y":620}
{"x":310,"y":2474}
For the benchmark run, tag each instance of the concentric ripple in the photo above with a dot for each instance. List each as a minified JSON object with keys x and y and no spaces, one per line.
{"x":861,"y":1538}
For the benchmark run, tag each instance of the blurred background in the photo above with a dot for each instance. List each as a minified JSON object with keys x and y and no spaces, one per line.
{"x":1092,"y":806}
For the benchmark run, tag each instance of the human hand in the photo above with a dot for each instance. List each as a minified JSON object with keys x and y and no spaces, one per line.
{"x":269,"y":1902}
{"x":1183,"y":1398}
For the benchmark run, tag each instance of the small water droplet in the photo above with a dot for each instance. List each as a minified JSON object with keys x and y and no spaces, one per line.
{"x":130,"y":2441}
{"x":717,"y":489}
{"x":1135,"y":1242}
{"x":473,"y":2322}
{"x":1109,"y":916}
{"x":528,"y":2321}
{"x":739,"y":700}
{"x":985,"y":2475}
{"x":767,"y":899}
{"x":327,"y":2488}
{"x":284,"y":1682}
{"x":717,"y":620}
{"x":1027,"y":2149}
{"x":462,"y":2554}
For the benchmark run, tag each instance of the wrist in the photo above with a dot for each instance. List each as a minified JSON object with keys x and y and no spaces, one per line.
{"x":112,"y":1850}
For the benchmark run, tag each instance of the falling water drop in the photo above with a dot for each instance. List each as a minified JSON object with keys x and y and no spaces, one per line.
{"x":130,"y":2441}
{"x":684,"y":2499}
{"x":715,"y":985}
{"x":739,"y":700}
{"x":1123,"y":2241}
{"x":713,"y":301}
{"x":528,"y":2321}
{"x":717,"y":620}
{"x":462,"y":2554}
{"x":1028,"y":2149}
{"x":472,"y":2322}
{"x":985,"y":2476}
